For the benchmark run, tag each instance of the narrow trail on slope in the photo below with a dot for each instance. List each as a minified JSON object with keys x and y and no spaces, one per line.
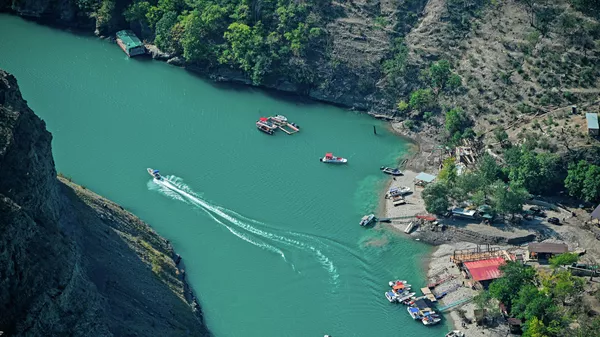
{"x":172,"y":185}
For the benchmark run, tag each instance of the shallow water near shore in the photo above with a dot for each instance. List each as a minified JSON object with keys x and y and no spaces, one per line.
{"x":269,"y":235}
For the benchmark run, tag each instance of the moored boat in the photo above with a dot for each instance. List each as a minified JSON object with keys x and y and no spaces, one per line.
{"x":367,"y":220}
{"x":391,"y":171}
{"x":263,"y":121}
{"x":264,"y":129}
{"x":430,"y":319}
{"x":398,"y":282}
{"x":154,"y":173}
{"x":415,"y":313}
{"x":391,"y":296}
{"x":280,"y":119}
{"x":398,"y":191}
{"x":330,"y":158}
{"x":455,"y":333}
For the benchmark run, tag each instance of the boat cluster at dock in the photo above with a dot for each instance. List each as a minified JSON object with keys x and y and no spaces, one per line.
{"x":270,"y":124}
{"x":417,"y":307}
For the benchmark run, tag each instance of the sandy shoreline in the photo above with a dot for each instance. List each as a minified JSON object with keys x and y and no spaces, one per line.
{"x":421,"y":157}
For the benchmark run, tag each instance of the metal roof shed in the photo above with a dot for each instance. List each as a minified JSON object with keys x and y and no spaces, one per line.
{"x":425,"y":177}
{"x":484,"y":270}
{"x":551,"y":248}
{"x":592,"y":123}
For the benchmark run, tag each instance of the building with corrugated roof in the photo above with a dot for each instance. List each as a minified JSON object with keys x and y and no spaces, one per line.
{"x":484,"y":271}
{"x":545,"y":250}
{"x":130,"y":43}
{"x":592,"y":123}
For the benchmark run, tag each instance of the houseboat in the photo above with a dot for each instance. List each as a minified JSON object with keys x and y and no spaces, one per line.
{"x":264,"y":129}
{"x":131,"y":45}
{"x":263,"y":121}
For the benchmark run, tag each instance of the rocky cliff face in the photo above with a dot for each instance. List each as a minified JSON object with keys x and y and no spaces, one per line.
{"x":71,"y":262}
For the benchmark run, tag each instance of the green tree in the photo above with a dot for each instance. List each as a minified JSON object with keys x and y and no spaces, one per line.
{"x":583,"y":181}
{"x":422,"y":100}
{"x":537,"y":172}
{"x":137,"y":12}
{"x":448,"y":173}
{"x":164,"y":37}
{"x":535,"y":328}
{"x":454,"y":83}
{"x":457,"y":121}
{"x":402,"y":106}
{"x":439,"y":72}
{"x":563,"y":259}
{"x":488,"y":170}
{"x":395,"y":66}
{"x":515,"y":276}
{"x":435,"y":196}
{"x":508,"y":199}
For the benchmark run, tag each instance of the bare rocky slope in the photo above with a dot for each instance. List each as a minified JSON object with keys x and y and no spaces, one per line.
{"x":71,"y":262}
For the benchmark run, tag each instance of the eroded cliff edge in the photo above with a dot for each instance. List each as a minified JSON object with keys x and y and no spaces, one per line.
{"x":71,"y":262}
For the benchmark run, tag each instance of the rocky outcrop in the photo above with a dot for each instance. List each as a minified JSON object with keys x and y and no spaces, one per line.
{"x":71,"y":262}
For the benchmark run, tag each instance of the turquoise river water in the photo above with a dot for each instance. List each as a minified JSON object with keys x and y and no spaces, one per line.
{"x":269,"y":235}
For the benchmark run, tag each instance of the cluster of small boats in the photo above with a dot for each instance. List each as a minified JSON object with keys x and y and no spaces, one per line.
{"x":270,"y":124}
{"x":417,"y":308}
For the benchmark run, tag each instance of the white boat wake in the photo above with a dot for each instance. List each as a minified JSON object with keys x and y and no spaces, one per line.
{"x":174,"y":187}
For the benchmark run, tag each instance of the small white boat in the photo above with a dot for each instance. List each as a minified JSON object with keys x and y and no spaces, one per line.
{"x":455,"y":333}
{"x":330,"y":158}
{"x":367,"y":220}
{"x":405,"y":296}
{"x":409,"y":228}
{"x":280,"y":119}
{"x":399,"y":202}
{"x":399,"y":191}
{"x":155,"y":174}
{"x":391,"y":171}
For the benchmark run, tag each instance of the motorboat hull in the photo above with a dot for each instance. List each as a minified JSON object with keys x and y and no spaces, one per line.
{"x":154,"y":173}
{"x":334,"y":160}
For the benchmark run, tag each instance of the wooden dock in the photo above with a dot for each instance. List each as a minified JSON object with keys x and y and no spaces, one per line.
{"x":437,"y":283}
{"x":291,"y":131}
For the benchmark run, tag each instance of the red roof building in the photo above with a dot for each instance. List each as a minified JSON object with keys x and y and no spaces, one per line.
{"x":484,"y":270}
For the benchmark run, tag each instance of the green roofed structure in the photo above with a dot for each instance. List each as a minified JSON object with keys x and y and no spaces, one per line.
{"x":130,"y":43}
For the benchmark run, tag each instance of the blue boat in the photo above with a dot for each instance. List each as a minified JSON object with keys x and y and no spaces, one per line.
{"x":155,"y":174}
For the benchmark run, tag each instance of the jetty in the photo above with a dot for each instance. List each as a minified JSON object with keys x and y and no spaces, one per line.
{"x":282,"y":124}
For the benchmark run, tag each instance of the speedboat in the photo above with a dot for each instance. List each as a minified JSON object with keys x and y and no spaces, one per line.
{"x":392,"y":171}
{"x":367,"y":220}
{"x":154,"y":173}
{"x":330,"y":158}
{"x":430,"y":319}
{"x":391,"y":296}
{"x":415,"y":313}
{"x":455,"y":333}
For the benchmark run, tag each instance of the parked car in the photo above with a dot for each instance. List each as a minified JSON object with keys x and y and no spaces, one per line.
{"x":554,"y":221}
